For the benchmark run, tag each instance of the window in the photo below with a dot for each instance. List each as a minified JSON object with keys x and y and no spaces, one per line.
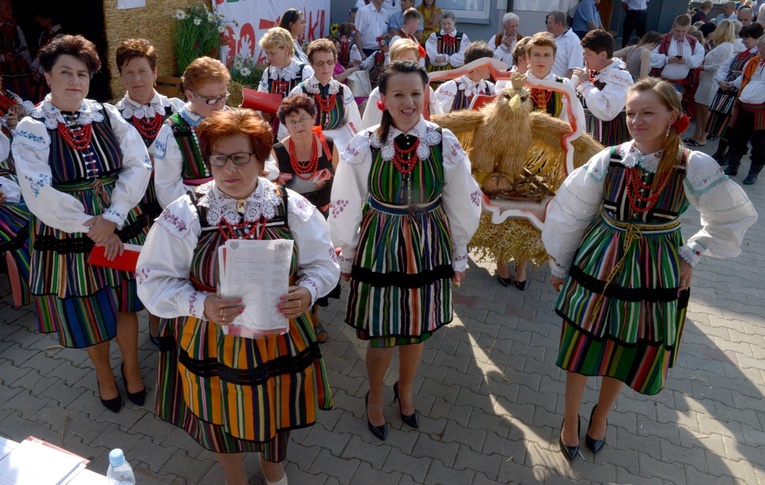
{"x":466,"y":9}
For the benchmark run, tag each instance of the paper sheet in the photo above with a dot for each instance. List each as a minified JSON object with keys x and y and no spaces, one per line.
{"x":258,"y":273}
{"x":126,"y":4}
{"x":22,"y":465}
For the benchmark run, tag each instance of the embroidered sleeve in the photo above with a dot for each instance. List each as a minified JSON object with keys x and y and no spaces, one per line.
{"x":445,"y":95}
{"x":299,"y":205}
{"x":726,"y":211}
{"x":164,"y":265}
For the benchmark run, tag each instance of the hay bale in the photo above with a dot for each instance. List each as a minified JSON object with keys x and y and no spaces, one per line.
{"x":154,"y":22}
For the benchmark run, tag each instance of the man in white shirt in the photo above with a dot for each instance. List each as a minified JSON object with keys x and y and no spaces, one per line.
{"x":677,"y":53}
{"x":569,"y":55}
{"x":635,"y":18}
{"x":745,"y":16}
{"x":391,"y":6}
{"x":371,"y":24}
{"x":504,"y":42}
{"x":748,"y":119}
{"x":728,"y":12}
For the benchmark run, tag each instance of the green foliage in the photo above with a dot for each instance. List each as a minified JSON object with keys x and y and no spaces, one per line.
{"x":197,"y":33}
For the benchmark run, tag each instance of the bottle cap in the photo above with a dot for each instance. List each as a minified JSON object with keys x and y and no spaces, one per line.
{"x":116,"y":457}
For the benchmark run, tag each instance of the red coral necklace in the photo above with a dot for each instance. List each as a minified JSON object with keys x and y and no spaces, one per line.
{"x":634,"y":187}
{"x":405,"y":158}
{"x":541,"y":97}
{"x":149,"y":128}
{"x":228,"y":231}
{"x":304,"y":170}
{"x":79,"y":140}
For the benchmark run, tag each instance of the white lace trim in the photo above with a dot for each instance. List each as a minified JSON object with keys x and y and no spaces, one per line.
{"x":615,"y":73}
{"x":129,"y":108}
{"x":191,"y":118}
{"x":470,"y":88}
{"x":286,"y":73}
{"x":631,"y":157}
{"x":89,"y":112}
{"x":312,"y":86}
{"x":423,"y":130}
{"x":261,"y":203}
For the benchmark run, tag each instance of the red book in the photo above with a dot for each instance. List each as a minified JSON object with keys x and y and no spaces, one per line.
{"x":481,"y":100}
{"x":126,"y":262}
{"x":259,"y":101}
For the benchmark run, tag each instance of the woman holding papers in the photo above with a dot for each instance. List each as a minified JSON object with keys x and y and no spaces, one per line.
{"x":234,"y":394}
{"x":82,"y":169}
{"x":403,"y":209}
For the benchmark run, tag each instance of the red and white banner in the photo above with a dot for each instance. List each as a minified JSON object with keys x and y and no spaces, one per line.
{"x":255,"y":17}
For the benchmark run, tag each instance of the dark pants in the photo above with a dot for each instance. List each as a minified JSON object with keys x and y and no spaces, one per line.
{"x":581,"y":33}
{"x":741,"y":133}
{"x":369,"y":52}
{"x":636,"y":20}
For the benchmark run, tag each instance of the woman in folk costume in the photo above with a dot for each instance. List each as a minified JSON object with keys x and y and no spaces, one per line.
{"x":178,"y":163}
{"x":82,"y":170}
{"x":620,"y":262}
{"x":284,"y":71}
{"x":15,"y":59}
{"x":602,"y":88}
{"x":721,"y":107}
{"x":145,"y":109}
{"x":446,"y":48}
{"x":230,"y":393}
{"x":14,"y":228}
{"x":403,"y":50}
{"x":337,"y":113}
{"x":404,"y":207}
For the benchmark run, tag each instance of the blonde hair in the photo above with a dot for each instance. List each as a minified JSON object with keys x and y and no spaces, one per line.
{"x":277,"y":37}
{"x":725,"y":32}
{"x":672,"y":100}
{"x":203,"y":70}
{"x":401,"y":47}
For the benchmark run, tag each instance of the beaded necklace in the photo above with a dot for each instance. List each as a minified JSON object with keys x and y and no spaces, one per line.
{"x":198,"y":151}
{"x":304,"y":170}
{"x":541,"y":97}
{"x":405,"y":158}
{"x":80,"y":140}
{"x":634,"y":187}
{"x":328,"y":104}
{"x":257,"y":228}
{"x":148,"y":128}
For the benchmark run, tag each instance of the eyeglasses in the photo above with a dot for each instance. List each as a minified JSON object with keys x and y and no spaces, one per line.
{"x":238,"y":158}
{"x":215,"y":100}
{"x":324,"y":63}
{"x":299,"y":121}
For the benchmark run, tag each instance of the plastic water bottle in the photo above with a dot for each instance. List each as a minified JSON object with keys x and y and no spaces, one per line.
{"x":120,"y":472}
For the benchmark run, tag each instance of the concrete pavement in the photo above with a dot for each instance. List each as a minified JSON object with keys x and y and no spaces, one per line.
{"x":489,"y":395}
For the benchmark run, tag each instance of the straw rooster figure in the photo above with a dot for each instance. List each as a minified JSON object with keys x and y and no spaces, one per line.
{"x":508,"y":142}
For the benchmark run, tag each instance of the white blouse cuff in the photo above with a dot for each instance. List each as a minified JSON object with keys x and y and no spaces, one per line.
{"x":310,"y":285}
{"x":558,"y":270}
{"x":112,"y":215}
{"x":692,"y":252}
{"x":460,"y":259}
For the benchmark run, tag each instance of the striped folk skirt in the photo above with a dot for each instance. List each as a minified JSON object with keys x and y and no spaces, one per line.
{"x":233,"y":394}
{"x":14,"y":243}
{"x":608,"y":133}
{"x":719,"y":113}
{"x":78,"y":300}
{"x":400,"y":288}
{"x":629,"y":328}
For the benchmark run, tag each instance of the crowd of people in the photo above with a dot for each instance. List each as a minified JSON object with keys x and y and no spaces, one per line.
{"x":372,"y":192}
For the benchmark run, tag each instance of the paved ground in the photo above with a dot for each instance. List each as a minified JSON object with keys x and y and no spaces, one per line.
{"x":488,"y":392}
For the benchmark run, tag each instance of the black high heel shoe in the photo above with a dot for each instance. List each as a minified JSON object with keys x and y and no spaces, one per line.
{"x":413,"y":419}
{"x":379,"y":431}
{"x":569,"y":452}
{"x":114,"y":405}
{"x":137,"y":398}
{"x":593,"y":444}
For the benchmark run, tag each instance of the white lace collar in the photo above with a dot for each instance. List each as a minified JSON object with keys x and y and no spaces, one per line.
{"x":89,"y":112}
{"x":631,"y":157}
{"x":464,"y":83}
{"x":550,"y":77}
{"x":312,"y":86}
{"x":285,"y":73}
{"x":423,"y":130}
{"x":129,"y":107}
{"x":261,"y":203}
{"x":453,"y":34}
{"x":191,"y":118}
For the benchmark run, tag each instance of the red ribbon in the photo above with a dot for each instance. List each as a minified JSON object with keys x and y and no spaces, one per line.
{"x":682,"y":124}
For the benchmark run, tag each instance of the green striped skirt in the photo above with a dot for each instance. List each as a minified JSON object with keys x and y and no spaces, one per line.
{"x":630,"y":328}
{"x":14,"y":241}
{"x":400,"y":288}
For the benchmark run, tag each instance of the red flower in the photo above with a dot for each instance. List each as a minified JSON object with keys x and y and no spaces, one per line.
{"x":682,"y":124}
{"x":380,"y":106}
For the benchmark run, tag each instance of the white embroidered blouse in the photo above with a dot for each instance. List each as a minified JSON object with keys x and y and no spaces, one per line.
{"x":158,"y":105}
{"x":606,"y":104}
{"x":461,"y":195}
{"x":31,"y":147}
{"x":163,"y":268}
{"x":726,"y":211}
{"x":446,"y":92}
